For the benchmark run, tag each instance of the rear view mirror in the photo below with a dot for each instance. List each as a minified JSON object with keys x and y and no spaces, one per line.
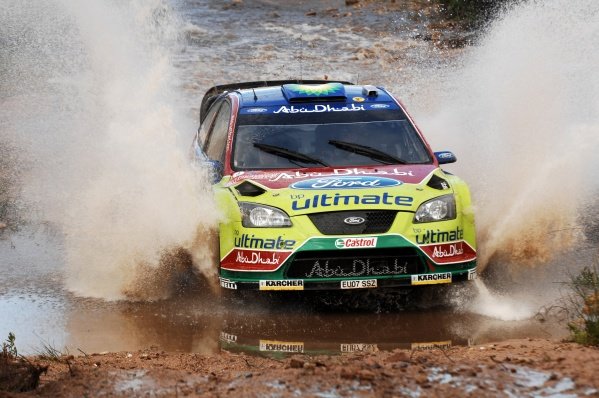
{"x":444,"y":157}
{"x":215,"y":169}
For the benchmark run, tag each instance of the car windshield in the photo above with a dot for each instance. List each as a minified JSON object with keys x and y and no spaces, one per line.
{"x":365,"y":143}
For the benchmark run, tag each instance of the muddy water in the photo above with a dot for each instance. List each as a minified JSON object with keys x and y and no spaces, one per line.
{"x":35,"y":306}
{"x":76,"y":244}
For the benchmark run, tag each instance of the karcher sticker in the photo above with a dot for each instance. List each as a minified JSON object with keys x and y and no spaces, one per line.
{"x":433,"y":345}
{"x":431,"y":279}
{"x":281,"y":346}
{"x":289,"y":284}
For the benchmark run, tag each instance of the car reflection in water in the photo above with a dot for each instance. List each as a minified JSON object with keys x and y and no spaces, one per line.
{"x":206,"y":327}
{"x":282,"y":335}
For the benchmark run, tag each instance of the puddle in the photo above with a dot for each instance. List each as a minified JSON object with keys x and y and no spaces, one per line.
{"x":35,"y":306}
{"x":189,"y":325}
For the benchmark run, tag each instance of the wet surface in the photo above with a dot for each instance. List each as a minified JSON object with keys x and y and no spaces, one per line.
{"x":206,"y":325}
{"x":313,"y":39}
{"x":40,"y":312}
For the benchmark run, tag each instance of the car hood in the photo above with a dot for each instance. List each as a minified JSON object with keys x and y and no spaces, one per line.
{"x":334,"y":189}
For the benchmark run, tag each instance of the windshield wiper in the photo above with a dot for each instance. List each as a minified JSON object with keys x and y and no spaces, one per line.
{"x":364,"y":150}
{"x":289,"y":154}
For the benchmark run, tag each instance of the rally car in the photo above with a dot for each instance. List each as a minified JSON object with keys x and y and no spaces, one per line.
{"x":330,"y":185}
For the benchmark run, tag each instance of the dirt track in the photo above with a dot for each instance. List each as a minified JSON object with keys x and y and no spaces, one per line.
{"x":529,"y":367}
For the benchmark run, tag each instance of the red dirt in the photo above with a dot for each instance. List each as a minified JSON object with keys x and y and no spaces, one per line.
{"x":516,"y":367}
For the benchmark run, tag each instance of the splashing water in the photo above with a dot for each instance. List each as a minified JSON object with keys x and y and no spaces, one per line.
{"x":499,"y":306}
{"x":522,"y":114}
{"x":87,"y":93}
{"x":89,"y":99}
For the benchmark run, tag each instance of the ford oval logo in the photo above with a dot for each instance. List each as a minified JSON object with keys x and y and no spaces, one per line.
{"x":256,"y":110}
{"x":379,"y":106}
{"x":336,"y":182}
{"x":354,"y":220}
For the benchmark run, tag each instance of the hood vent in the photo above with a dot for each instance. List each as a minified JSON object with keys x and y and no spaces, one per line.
{"x":437,"y":182}
{"x":248,"y":189}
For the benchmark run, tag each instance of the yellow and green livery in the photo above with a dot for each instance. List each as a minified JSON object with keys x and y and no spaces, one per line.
{"x":329,"y":185}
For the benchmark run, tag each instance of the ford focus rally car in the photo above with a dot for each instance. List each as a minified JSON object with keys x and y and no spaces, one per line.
{"x":330,"y":185}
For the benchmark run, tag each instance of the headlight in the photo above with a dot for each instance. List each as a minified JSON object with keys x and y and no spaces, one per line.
{"x":438,"y":209}
{"x":261,"y":216}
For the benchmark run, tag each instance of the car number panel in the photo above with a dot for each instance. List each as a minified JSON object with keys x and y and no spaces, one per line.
{"x":359,"y":284}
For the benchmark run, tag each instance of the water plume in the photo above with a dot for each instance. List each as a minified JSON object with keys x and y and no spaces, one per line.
{"x":522,"y":113}
{"x":106,"y":148}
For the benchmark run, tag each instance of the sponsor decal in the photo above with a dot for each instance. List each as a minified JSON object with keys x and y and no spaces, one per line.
{"x":229,"y":338}
{"x":355,"y":243}
{"x":288,"y":284}
{"x":434,"y":345}
{"x":251,"y":242}
{"x":227,"y":284}
{"x":380,"y":106}
{"x":278,"y":176}
{"x":448,"y":250}
{"x":444,"y":155}
{"x":254,"y":260}
{"x":256,"y":110}
{"x":358,"y":99}
{"x":360,"y":267}
{"x":319,"y":109}
{"x":257,"y":257}
{"x":326,"y":200}
{"x":446,"y":253}
{"x":281,"y":346}
{"x":359,"y":182}
{"x":326,"y":89}
{"x":359,"y":347}
{"x":472,"y":274}
{"x":354,"y":220}
{"x":439,"y":236}
{"x":359,"y":284}
{"x":431,"y":279}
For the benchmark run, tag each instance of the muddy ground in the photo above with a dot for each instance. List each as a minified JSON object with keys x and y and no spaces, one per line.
{"x":523,"y":367}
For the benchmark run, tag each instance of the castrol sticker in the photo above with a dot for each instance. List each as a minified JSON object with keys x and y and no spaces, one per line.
{"x":355,"y":243}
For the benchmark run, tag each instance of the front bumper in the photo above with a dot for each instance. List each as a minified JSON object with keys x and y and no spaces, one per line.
{"x":352,"y":283}
{"x":263,"y":260}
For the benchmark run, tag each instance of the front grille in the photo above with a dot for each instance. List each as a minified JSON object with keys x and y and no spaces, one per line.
{"x":351,"y":263}
{"x":331,"y":223}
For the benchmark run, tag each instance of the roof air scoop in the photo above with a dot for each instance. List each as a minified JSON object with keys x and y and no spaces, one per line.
{"x":370,"y":91}
{"x":310,"y":92}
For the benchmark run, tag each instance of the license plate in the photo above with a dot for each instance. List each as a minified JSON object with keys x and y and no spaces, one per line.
{"x":359,"y":348}
{"x":358,"y":284}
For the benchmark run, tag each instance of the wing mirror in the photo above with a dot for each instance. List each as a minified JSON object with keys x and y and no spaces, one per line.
{"x":444,"y":157}
{"x":215,"y":169}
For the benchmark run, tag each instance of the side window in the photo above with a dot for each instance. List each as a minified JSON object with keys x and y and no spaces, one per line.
{"x":217,"y":138}
{"x":205,"y":127}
